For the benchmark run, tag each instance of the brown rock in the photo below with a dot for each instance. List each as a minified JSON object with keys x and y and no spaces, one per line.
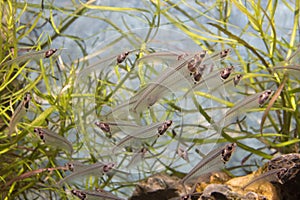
{"x":158,"y":186}
{"x":220,"y":186}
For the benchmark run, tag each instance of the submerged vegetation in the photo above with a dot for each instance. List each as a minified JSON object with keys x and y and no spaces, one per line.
{"x":95,"y":97}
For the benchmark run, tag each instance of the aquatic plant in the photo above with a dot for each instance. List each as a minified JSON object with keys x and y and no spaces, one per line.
{"x":198,"y":74}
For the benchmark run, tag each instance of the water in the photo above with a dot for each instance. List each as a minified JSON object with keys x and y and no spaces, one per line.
{"x":93,"y":66}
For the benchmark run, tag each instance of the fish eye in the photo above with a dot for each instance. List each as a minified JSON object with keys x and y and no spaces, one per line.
{"x":73,"y":191}
{"x":108,"y":167}
{"x":185,"y":197}
{"x":169,"y":122}
{"x":50,"y":52}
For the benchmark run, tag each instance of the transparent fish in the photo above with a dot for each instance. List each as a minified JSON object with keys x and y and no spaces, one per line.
{"x":202,"y":61}
{"x":144,"y":132}
{"x":130,"y":141}
{"x":250,"y":102}
{"x":194,"y":66}
{"x":75,"y":166}
{"x":227,"y":86}
{"x":143,"y":100}
{"x":103,"y":126}
{"x":214,"y":80}
{"x":161,"y":57}
{"x":98,"y":194}
{"x":19,"y":113}
{"x":271,"y":176}
{"x":97,"y":170}
{"x":30,"y":56}
{"x":148,"y":96}
{"x":151,"y":130}
{"x":54,"y":140}
{"x":121,"y":57}
{"x":214,"y":161}
{"x":164,"y":127}
{"x":236,"y":79}
{"x":112,"y":60}
{"x":119,"y":112}
{"x":50,"y":52}
{"x":118,"y":125}
{"x":137,"y":157}
{"x":182,"y":153}
{"x":174,"y":77}
{"x":187,"y":70}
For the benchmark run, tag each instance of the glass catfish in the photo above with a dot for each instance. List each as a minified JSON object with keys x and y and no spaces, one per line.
{"x":214,"y":80}
{"x":111,"y":61}
{"x":273,"y":175}
{"x":97,"y":170}
{"x":137,"y":157}
{"x":213,"y":161}
{"x":54,"y":140}
{"x":253,"y":101}
{"x":185,"y":72}
{"x":30,"y":56}
{"x":179,"y":75}
{"x":19,"y":112}
{"x":115,"y":126}
{"x":145,"y":132}
{"x":76,"y":166}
